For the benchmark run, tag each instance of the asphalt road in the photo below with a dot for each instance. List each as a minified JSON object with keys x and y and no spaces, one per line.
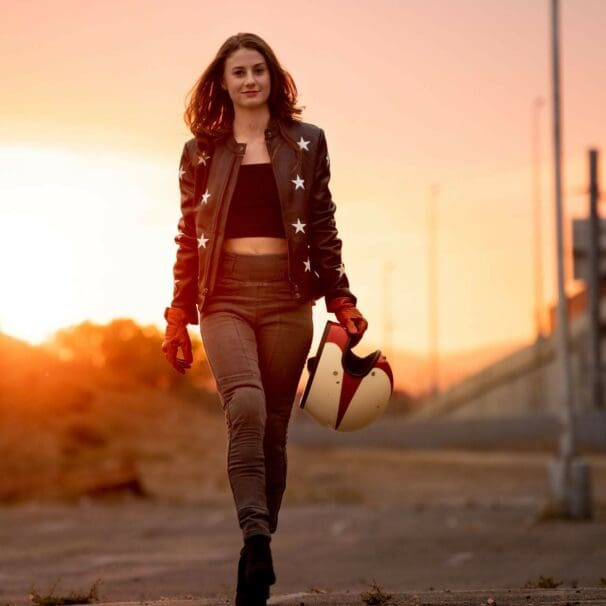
{"x":444,"y":540}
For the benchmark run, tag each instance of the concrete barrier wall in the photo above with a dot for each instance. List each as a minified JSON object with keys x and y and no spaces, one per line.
{"x":527,"y":381}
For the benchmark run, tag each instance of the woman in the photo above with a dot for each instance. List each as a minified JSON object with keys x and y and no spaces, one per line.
{"x":257,"y":245}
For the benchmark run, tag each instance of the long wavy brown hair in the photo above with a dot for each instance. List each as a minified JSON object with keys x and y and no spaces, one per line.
{"x":209,"y":109}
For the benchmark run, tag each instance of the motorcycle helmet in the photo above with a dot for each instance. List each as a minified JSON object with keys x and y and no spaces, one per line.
{"x":345,"y":392}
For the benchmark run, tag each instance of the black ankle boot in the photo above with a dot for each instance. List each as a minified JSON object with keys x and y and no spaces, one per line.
{"x":258,"y":568}
{"x":241,"y":595}
{"x":244,"y":597}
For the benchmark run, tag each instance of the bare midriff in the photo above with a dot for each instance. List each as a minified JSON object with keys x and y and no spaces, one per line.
{"x":257,"y":245}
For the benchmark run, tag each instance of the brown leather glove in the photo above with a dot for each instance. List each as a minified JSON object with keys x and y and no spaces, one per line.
{"x":349,"y":318}
{"x":176,"y":336}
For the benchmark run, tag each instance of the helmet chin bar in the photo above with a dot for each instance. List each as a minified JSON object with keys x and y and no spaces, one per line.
{"x":344,"y":391}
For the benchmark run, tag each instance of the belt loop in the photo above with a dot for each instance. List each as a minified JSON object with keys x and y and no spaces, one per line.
{"x":231,"y":267}
{"x":227,"y":264}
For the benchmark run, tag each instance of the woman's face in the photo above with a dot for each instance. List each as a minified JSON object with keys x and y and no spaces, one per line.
{"x":246,"y":78}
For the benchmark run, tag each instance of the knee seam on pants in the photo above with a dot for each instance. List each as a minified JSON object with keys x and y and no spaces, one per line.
{"x":246,"y":407}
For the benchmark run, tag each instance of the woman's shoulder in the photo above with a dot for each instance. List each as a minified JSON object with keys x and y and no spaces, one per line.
{"x":305,"y":129}
{"x":198,"y":147}
{"x":308,"y":136}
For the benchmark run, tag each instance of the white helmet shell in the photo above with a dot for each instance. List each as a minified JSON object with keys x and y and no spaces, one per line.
{"x":345,"y":392}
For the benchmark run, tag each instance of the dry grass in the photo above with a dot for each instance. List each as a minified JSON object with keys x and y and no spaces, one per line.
{"x":376,"y":596}
{"x":74,"y":597}
{"x":543,"y":583}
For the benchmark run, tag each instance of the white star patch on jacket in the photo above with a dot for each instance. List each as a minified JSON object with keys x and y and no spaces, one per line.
{"x":303,"y":144}
{"x":203,"y":157}
{"x":341,"y":270}
{"x":299,"y":227}
{"x":202,"y":241}
{"x":181,"y":172}
{"x":298,"y":182}
{"x":205,"y":197}
{"x":307,"y":264}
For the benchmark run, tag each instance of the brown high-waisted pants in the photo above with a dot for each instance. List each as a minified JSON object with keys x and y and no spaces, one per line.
{"x":257,"y":337}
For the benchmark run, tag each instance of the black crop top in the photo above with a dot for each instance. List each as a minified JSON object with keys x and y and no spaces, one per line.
{"x":254,"y":209}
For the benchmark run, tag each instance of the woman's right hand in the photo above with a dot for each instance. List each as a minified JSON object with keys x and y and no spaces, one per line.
{"x":176,"y":336}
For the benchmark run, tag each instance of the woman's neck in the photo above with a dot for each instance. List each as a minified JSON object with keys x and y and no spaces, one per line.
{"x":250,"y":124}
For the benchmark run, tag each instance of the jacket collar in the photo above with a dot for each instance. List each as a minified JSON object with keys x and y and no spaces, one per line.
{"x":272,"y":131}
{"x":228,"y":140}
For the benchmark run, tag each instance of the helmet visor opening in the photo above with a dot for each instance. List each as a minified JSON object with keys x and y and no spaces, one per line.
{"x":357,"y":366}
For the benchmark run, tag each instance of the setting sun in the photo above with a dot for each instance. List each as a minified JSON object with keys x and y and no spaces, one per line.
{"x":62,"y":237}
{"x":38,"y":266}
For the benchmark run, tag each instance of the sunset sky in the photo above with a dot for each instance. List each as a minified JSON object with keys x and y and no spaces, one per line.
{"x":410,"y":93}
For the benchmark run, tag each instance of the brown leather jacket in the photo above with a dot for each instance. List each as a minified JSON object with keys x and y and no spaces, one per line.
{"x":207,"y":177}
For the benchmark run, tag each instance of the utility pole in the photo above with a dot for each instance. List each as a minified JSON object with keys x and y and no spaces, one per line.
{"x":538,"y":103}
{"x":432,"y":292}
{"x":569,"y":476}
{"x":593,"y":283}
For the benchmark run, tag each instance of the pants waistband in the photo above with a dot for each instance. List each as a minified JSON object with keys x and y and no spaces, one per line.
{"x":269,"y":267}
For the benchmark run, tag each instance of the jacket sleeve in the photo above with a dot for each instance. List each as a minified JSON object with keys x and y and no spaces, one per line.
{"x":325,"y":251}
{"x":185,"y":269}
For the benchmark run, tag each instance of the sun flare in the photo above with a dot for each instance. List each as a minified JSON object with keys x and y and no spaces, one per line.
{"x":36,"y":269}
{"x":67,"y":238}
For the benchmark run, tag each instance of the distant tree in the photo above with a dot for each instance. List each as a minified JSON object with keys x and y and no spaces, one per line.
{"x":80,"y":343}
{"x":123,"y":354}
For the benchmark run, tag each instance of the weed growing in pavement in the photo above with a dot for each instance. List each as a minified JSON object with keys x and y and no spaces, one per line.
{"x":376,"y":596}
{"x":72,"y":598}
{"x":543,"y":583}
{"x":547,"y":582}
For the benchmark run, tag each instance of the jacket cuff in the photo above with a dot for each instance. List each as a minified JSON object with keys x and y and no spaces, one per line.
{"x":191,"y":316}
{"x":339,"y":303}
{"x":185,"y":316}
